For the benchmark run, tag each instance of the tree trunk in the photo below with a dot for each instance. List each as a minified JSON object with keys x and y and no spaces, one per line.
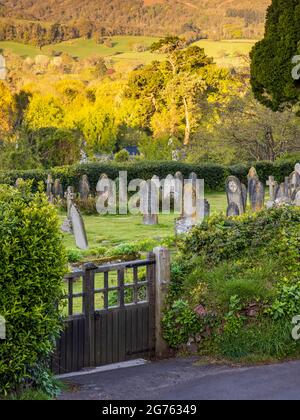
{"x":187,"y":123}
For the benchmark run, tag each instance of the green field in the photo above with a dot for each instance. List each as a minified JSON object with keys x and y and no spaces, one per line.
{"x":123,"y":50}
{"x":110,"y":231}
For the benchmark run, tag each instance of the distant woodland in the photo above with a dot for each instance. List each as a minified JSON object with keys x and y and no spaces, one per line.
{"x":46,"y":22}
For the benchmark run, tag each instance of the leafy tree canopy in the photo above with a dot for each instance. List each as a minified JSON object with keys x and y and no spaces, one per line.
{"x":271,"y":70}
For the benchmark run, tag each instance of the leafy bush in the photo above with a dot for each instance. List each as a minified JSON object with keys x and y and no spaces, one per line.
{"x":33,"y":263}
{"x":179,"y":323}
{"x":213,"y":174}
{"x":245,"y":272}
{"x":122,"y":156}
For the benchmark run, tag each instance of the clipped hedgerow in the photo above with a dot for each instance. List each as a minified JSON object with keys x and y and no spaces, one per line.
{"x":33,"y":263}
{"x":214,"y":175}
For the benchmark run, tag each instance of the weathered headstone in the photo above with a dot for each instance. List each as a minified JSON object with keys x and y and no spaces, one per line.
{"x":178,"y":193}
{"x":70,"y":197}
{"x":106,"y":196}
{"x":49,"y":183}
{"x":78,"y":227}
{"x":84,"y":188}
{"x":233,"y":210}
{"x":206,"y":208}
{"x":194,"y":206}
{"x":236,"y":193}
{"x":74,"y":223}
{"x":273,"y":187}
{"x":256,"y":191}
{"x":150,"y":201}
{"x":58,"y":189}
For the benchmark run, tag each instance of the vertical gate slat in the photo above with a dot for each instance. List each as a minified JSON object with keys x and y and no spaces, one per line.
{"x":128,"y":334}
{"x":115,"y":337}
{"x":109,"y":339}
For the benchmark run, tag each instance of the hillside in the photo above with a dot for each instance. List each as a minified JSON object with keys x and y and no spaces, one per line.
{"x":218,"y":19}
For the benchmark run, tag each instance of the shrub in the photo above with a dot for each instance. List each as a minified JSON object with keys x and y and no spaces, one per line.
{"x":32,"y":265}
{"x":122,"y":156}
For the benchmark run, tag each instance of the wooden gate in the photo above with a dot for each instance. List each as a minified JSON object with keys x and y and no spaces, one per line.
{"x":110,"y":315}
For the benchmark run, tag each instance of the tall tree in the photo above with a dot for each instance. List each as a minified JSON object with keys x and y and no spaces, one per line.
{"x":271,"y":68}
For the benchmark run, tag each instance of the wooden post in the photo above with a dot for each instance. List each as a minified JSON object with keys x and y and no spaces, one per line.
{"x":89,"y":313}
{"x":163,"y":277}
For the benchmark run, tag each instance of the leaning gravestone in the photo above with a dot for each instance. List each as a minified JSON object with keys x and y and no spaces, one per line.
{"x":236,"y":193}
{"x":74,"y":223}
{"x":78,"y":227}
{"x":84,"y":188}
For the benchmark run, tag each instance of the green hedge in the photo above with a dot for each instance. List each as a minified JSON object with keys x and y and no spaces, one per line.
{"x":213,"y":174}
{"x":33,"y":263}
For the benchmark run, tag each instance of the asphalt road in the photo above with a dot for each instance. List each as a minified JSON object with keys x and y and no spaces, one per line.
{"x":183,"y":379}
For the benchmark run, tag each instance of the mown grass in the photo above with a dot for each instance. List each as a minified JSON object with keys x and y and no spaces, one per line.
{"x":122,"y":52}
{"x":110,"y":231}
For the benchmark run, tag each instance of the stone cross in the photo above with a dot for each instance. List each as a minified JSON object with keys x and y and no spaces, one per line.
{"x":273,"y":187}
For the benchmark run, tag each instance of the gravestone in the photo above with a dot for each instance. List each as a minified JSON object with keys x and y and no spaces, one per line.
{"x":233,"y":210}
{"x":84,"y":188}
{"x":178,"y":193}
{"x":282,"y":197}
{"x":256,"y":191}
{"x":150,"y":195}
{"x":193,"y":209}
{"x":236,"y":193}
{"x":297,"y":199}
{"x":74,"y":223}
{"x":273,"y":188}
{"x":106,"y":196}
{"x":70,"y":197}
{"x":168,"y":194}
{"x":49,"y":183}
{"x":78,"y":228}
{"x":58,"y":189}
{"x":206,"y":208}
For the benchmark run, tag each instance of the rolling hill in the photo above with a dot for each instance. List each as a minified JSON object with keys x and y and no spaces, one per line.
{"x":219,"y":19}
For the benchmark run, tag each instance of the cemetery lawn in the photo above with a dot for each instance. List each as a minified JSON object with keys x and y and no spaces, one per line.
{"x":110,"y":231}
